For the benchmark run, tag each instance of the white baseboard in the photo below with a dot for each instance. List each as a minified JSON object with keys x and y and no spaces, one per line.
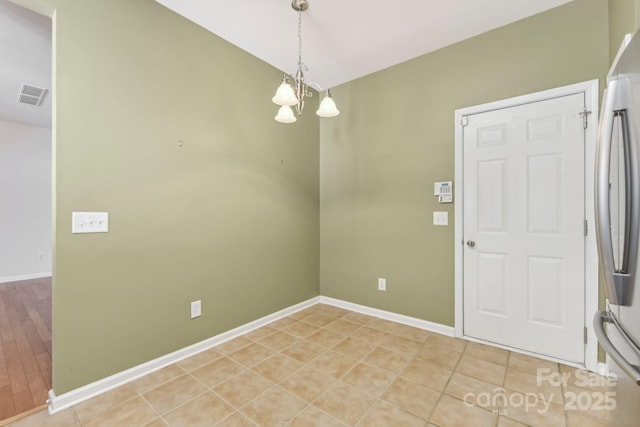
{"x":388,"y":315}
{"x":7,"y":279}
{"x":73,"y":397}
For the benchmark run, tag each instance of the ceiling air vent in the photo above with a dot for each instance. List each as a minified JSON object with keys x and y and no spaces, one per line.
{"x":31,"y":95}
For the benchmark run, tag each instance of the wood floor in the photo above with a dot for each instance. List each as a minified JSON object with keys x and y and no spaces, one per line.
{"x":25,"y":345}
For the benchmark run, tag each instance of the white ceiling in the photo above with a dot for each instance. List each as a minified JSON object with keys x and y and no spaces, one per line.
{"x":342,"y":39}
{"x":346,"y":39}
{"x":25,"y":57}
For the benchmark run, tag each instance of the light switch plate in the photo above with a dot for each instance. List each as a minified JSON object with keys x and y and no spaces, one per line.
{"x":441,"y":218}
{"x":90,"y":222}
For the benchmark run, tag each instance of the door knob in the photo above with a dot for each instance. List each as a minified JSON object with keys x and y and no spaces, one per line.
{"x":471,"y":243}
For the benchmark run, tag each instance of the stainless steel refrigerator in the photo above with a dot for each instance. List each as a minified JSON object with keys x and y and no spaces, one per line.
{"x":617,"y":227}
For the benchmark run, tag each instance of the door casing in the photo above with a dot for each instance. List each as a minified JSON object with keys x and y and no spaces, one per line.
{"x":590,"y":89}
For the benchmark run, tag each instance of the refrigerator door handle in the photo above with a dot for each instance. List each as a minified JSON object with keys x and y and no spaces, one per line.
{"x":598,"y":326}
{"x":618,"y":282}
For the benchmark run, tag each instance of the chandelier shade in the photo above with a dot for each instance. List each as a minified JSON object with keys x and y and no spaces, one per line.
{"x":285,"y":115}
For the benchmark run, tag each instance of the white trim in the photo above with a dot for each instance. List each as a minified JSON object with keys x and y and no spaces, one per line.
{"x":590,"y":89}
{"x":603,"y":369}
{"x":73,"y":397}
{"x":388,"y":315}
{"x":24,"y":277}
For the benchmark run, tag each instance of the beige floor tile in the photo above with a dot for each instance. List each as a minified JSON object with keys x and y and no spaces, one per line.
{"x":384,"y":414}
{"x":251,"y":355}
{"x":451,"y":412}
{"x":232,"y":345}
{"x":357,"y":318}
{"x":157,"y":422}
{"x":174,"y":393}
{"x":275,"y":407}
{"x":303,"y":314}
{"x":303,"y":351}
{"x":133,"y":412}
{"x":325,"y":338}
{"x":64,"y":418}
{"x":345,"y":402}
{"x":277,"y":367}
{"x":196,"y":361}
{"x":387,"y":359}
{"x":530,"y":364}
{"x":307,"y":383}
{"x":236,"y":420}
{"x":488,"y":353}
{"x":592,"y":403}
{"x":218,"y":371}
{"x":370,"y":335}
{"x":532,"y":410}
{"x":409,"y":332}
{"x":332,"y":363}
{"x":283,"y":323}
{"x":441,"y":356}
{"x":301,"y":329}
{"x":343,"y":327}
{"x":581,"y":419}
{"x":333,"y":311}
{"x":381,"y":324}
{"x":474,"y":391}
{"x":526,"y":383}
{"x":314,"y":417}
{"x":319,"y":319}
{"x":481,"y":369}
{"x":412,"y":397}
{"x":258,"y":334}
{"x":158,"y":378}
{"x":438,"y":340}
{"x":422,"y":372}
{"x":508,"y":422}
{"x":105,"y":401}
{"x":401,"y":345}
{"x":353,"y":348}
{"x":243,"y":387}
{"x":205,"y":410}
{"x":369,"y":378}
{"x":278,"y":341}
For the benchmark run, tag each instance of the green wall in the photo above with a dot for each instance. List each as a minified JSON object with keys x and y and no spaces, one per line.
{"x":395,"y":137}
{"x":231,"y":217}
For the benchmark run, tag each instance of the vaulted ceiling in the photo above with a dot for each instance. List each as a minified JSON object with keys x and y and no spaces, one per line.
{"x":342,"y":40}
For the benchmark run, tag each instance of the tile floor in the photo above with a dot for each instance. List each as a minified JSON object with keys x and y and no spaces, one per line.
{"x":326,"y":366}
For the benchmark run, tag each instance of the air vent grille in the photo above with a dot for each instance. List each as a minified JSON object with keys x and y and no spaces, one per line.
{"x":30,"y":94}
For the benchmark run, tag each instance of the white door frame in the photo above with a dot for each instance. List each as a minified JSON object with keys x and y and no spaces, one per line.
{"x":590,"y":89}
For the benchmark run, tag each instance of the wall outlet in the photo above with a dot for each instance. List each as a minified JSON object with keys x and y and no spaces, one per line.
{"x":196,"y":309}
{"x":382,"y":284}
{"x":40,"y":257}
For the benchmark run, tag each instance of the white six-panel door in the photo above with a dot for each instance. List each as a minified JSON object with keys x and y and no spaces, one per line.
{"x":524,"y":211}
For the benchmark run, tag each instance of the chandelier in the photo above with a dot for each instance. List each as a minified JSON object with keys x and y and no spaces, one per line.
{"x":288,"y":95}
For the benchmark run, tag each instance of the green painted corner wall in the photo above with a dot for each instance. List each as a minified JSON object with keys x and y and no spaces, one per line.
{"x":170,"y":129}
{"x":395,"y":138}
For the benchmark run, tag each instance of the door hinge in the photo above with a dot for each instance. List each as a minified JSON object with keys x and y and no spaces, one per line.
{"x":464,"y":121}
{"x":585,"y":334}
{"x":586,"y":228}
{"x":585,"y":117}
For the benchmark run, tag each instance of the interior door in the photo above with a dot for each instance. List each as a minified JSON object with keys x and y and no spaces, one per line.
{"x":524,"y":211}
